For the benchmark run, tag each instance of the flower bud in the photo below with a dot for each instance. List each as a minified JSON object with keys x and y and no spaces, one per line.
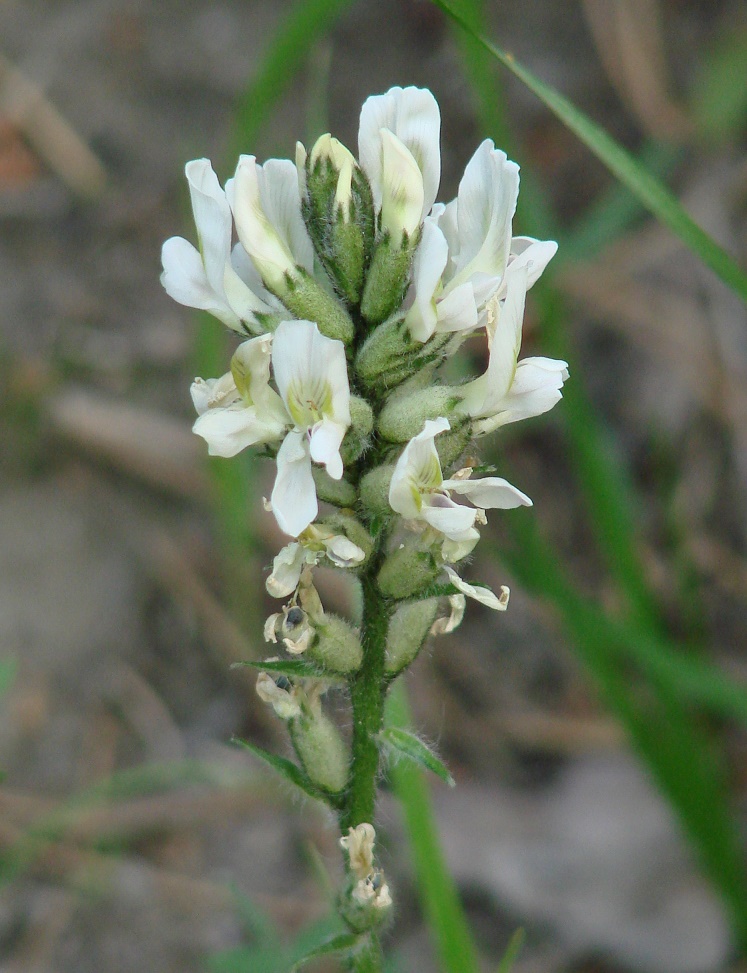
{"x":407,"y":570}
{"x":374,"y":491}
{"x":321,"y":750}
{"x":409,"y":627}
{"x":358,"y":436}
{"x":403,"y":416}
{"x":310,"y":302}
{"x":337,"y":647}
{"x":340,"y":492}
{"x":338,"y":210}
{"x":387,"y":278}
{"x":353,"y":529}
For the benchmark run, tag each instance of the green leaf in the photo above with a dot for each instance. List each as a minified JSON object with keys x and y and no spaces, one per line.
{"x":512,"y":952}
{"x":292,"y":772}
{"x":447,"y":922}
{"x":284,"y":667}
{"x":652,"y":193}
{"x":336,"y":944}
{"x":408,"y":745}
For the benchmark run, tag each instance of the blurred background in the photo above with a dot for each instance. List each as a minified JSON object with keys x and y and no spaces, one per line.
{"x":597,"y":729}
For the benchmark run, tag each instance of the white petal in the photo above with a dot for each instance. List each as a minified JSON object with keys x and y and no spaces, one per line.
{"x":486,"y":204}
{"x":443,"y":626}
{"x":401,"y":189}
{"x":211,"y":392}
{"x":286,"y":571}
{"x":484,"y":396}
{"x":311,"y":374}
{"x":284,"y":703}
{"x":412,"y":115}
{"x":343,"y":552}
{"x":534,"y":391}
{"x":454,"y":550}
{"x":535,"y":255}
{"x":212,"y":218}
{"x":449,"y":518}
{"x":457,"y":311}
{"x":324,"y":446}
{"x":229,"y":429}
{"x":428,"y":266}
{"x":250,"y":367}
{"x":417,"y":470}
{"x":293,"y":499}
{"x":185,"y":281}
{"x":281,"y":200}
{"x":489,"y":492}
{"x":260,"y":239}
{"x":484,"y":595}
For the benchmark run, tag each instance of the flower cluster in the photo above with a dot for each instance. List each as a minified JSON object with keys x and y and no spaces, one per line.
{"x":350,"y":287}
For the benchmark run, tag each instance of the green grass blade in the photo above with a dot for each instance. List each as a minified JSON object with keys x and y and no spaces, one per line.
{"x":512,"y":952}
{"x":652,"y":193}
{"x":308,"y":22}
{"x":678,"y":753}
{"x":455,"y":947}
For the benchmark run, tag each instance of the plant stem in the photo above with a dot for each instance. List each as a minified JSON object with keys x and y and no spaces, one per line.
{"x":367,"y":692}
{"x":370,"y":958}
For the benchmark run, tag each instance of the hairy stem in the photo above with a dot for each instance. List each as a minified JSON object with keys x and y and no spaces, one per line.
{"x":367,"y":690}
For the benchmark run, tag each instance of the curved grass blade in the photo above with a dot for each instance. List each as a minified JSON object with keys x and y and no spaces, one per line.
{"x":512,"y":952}
{"x":453,"y":941}
{"x":407,"y":745}
{"x":654,"y":196}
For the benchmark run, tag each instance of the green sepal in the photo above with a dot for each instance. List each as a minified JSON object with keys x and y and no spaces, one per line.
{"x":310,"y":302}
{"x":408,"y":745}
{"x":286,"y":768}
{"x":285,"y":667}
{"x":340,"y":943}
{"x":387,"y":278}
{"x":340,"y":493}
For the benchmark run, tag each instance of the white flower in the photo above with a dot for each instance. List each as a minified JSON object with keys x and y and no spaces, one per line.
{"x":290,"y":699}
{"x":312,"y":378}
{"x":240,"y":409}
{"x":359,"y":844}
{"x":313,"y":543}
{"x":212,"y":278}
{"x":484,"y":595}
{"x":403,"y":118}
{"x":510,"y":389}
{"x":267,"y":209}
{"x":419,"y":492}
{"x":402,"y":190}
{"x":467,"y":246}
{"x":452,"y":621}
{"x":284,"y":701}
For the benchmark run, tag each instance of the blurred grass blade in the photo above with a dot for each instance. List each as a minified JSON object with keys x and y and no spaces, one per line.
{"x":654,"y":196}
{"x":308,"y":22}
{"x":407,"y":745}
{"x":512,"y":952}
{"x":679,"y":754}
{"x":455,"y":947}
